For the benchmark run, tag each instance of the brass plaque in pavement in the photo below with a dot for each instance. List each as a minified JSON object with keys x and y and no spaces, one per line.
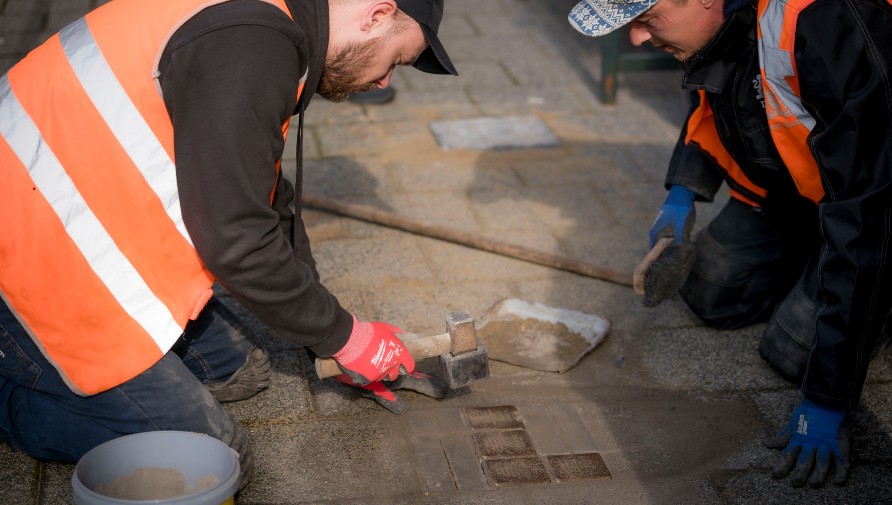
{"x":515,"y":471}
{"x":494,"y":418}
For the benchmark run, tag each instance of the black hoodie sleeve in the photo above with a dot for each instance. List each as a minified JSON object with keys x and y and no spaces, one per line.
{"x":229,"y":78}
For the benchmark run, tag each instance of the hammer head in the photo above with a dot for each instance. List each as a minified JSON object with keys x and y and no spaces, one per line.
{"x":467,"y":362}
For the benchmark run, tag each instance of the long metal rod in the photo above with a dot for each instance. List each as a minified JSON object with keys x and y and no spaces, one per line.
{"x":391,"y":220}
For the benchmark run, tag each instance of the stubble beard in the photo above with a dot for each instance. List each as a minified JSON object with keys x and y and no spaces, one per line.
{"x":341,"y":75}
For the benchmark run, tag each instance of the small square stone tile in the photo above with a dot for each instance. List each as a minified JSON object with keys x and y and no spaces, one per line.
{"x":517,"y":471}
{"x":504,"y":444}
{"x":502,"y":418}
{"x":578,"y":466}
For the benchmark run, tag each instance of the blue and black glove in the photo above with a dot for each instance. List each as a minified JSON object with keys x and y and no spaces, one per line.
{"x":815,"y":438}
{"x":676,"y":217}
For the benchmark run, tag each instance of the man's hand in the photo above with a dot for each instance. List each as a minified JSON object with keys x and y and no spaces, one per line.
{"x":815,"y":438}
{"x":373,"y":353}
{"x":676,"y":217}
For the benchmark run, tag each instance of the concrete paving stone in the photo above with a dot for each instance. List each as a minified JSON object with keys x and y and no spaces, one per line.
{"x":436,"y":421}
{"x":338,"y":177}
{"x":513,"y":100}
{"x":578,"y":466}
{"x":607,"y":126}
{"x":572,"y":429}
{"x":20,"y":474}
{"x":432,"y":464}
{"x":322,"y":112}
{"x":499,"y":210}
{"x":335,"y":461}
{"x":454,"y":172}
{"x":463,"y":461}
{"x":396,"y":259}
{"x":424,"y":105}
{"x":714,"y":360}
{"x":493,"y":133}
{"x":579,"y":166}
{"x":517,"y":471}
{"x":542,"y":429}
{"x":364,"y":140}
{"x":451,"y":211}
{"x":450,"y":261}
{"x":56,"y":484}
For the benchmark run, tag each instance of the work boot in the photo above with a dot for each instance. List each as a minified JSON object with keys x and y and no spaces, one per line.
{"x":251,"y":378}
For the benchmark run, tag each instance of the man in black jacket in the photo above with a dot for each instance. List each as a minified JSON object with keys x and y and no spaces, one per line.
{"x":791,"y":108}
{"x":230,"y":76}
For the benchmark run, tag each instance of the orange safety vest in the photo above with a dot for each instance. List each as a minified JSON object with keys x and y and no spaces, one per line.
{"x":95,"y":260}
{"x":788,"y":121}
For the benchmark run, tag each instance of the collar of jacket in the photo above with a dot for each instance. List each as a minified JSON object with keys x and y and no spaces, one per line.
{"x":712,"y":67}
{"x":315,"y":12}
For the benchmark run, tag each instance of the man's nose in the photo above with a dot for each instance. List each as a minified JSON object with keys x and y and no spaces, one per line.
{"x":638,"y":33}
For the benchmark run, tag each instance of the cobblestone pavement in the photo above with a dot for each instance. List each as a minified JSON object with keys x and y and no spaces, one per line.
{"x":663,"y":411}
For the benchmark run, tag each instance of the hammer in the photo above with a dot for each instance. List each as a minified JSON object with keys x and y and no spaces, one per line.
{"x":463,"y":358}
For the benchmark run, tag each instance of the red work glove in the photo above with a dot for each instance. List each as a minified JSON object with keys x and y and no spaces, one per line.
{"x":373,"y":353}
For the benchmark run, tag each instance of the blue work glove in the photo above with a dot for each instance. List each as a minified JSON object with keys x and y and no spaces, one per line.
{"x":676,"y":217}
{"x":815,"y":438}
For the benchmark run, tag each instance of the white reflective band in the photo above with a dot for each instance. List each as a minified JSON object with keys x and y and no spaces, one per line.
{"x":85,"y":230}
{"x":123,"y":118}
{"x":778,"y":64}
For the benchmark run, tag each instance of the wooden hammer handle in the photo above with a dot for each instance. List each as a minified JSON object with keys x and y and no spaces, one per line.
{"x":419,"y":347}
{"x":641,"y":269}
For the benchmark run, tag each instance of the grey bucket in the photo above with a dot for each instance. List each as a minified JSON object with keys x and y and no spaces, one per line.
{"x":195,"y":455}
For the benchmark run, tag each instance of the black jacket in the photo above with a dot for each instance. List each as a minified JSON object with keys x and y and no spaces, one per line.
{"x":229,"y":77}
{"x":843,"y":56}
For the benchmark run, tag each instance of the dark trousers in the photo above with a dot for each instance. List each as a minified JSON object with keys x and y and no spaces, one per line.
{"x":753,"y":265}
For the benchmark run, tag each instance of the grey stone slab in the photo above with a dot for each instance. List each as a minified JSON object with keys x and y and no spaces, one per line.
{"x":489,"y":133}
{"x":363,"y":140}
{"x":432,"y":464}
{"x":339,"y":177}
{"x":573,"y":430}
{"x":542,"y":429}
{"x":424,"y":105}
{"x":453,"y":172}
{"x":436,"y":422}
{"x":464,"y":462}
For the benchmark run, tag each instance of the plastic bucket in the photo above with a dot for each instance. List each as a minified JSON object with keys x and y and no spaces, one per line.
{"x":200,"y":459}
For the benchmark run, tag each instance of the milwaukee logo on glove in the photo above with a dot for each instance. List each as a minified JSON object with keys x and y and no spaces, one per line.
{"x":379,"y":358}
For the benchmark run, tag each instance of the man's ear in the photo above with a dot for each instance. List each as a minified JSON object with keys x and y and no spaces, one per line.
{"x":377,"y":14}
{"x":709,"y":4}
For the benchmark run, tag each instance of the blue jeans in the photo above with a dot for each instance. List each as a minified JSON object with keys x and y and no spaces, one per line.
{"x":43,"y":418}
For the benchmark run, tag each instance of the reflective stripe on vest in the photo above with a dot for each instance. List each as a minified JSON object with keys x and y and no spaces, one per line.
{"x":789,"y":122}
{"x":702,"y":133}
{"x":95,"y":260}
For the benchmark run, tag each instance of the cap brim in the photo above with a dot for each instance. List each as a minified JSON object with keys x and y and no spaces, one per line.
{"x":434,"y":59}
{"x":600,"y":17}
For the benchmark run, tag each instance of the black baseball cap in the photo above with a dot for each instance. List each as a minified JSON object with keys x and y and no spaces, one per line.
{"x":428,"y":14}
